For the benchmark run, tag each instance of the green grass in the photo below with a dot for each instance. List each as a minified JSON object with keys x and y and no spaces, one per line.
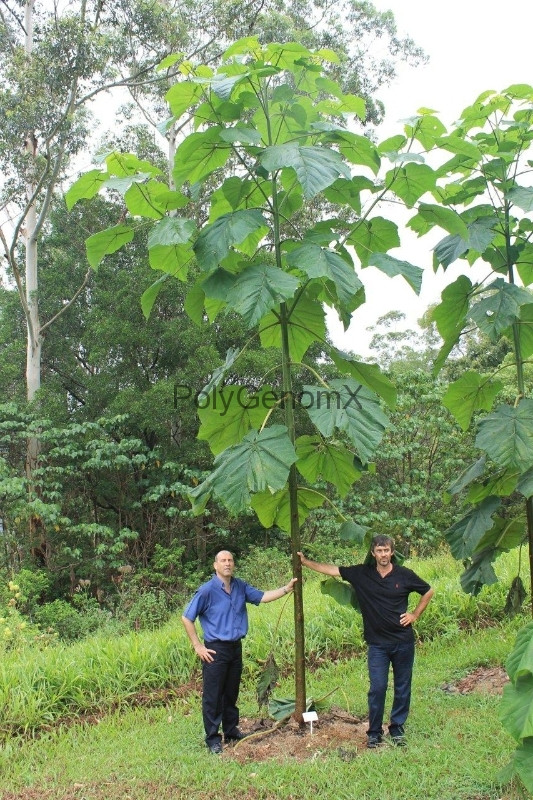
{"x":456,"y":742}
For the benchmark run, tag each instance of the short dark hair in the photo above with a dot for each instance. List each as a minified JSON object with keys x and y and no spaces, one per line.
{"x":382,"y":540}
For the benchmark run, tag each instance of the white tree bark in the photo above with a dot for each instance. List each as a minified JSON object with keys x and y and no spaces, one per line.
{"x":34,"y":338}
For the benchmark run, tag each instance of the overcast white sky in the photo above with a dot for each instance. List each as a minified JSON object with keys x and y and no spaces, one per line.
{"x":473,"y":45}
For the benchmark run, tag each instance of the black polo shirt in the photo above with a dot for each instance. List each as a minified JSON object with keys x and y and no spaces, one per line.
{"x":383,"y":600}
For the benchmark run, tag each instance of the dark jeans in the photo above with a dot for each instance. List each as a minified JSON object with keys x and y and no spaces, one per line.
{"x":380,"y":657}
{"x":221,"y":680}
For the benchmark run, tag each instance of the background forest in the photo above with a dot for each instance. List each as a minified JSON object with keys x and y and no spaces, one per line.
{"x":102,"y":515}
{"x":99,"y":442}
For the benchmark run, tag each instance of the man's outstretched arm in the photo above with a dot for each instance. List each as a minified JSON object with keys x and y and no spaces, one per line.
{"x":325,"y":569}
{"x":275,"y":594}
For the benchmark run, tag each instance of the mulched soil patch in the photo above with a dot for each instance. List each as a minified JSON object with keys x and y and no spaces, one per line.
{"x":490,"y":680}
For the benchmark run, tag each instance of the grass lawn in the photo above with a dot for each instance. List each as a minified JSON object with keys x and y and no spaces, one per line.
{"x":456,"y":744}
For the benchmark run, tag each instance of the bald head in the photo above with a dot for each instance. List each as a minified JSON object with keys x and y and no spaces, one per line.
{"x":224,"y":565}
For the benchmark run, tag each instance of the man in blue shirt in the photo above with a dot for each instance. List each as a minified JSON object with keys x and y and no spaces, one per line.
{"x":382,"y":589}
{"x":220,"y":605}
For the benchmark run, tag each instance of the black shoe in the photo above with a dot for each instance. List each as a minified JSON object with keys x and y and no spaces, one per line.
{"x":237,"y":736}
{"x":397,"y":736}
{"x":374,"y":741}
{"x":398,"y":741}
{"x":215,"y":748}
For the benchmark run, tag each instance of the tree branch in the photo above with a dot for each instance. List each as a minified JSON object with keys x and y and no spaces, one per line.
{"x":70,"y":302}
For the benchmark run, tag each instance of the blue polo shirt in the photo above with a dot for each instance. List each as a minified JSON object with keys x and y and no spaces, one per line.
{"x":223,"y":616}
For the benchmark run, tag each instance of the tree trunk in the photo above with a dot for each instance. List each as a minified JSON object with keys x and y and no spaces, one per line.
{"x":33,"y":348}
{"x":296,"y":545}
{"x":37,"y":540}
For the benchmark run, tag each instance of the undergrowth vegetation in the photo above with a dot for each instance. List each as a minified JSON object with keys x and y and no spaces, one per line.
{"x":44,"y":680}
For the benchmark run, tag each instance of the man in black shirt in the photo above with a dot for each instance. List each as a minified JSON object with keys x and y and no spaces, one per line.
{"x":382,"y":590}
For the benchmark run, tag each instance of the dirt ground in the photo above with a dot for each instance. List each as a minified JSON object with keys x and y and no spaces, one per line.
{"x":336,"y":730}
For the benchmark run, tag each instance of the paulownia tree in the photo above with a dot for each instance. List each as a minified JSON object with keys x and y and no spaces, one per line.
{"x":485,"y":200}
{"x":288,"y":192}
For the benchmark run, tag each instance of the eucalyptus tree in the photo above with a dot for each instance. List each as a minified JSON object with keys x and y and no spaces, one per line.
{"x":53,"y":60}
{"x":270,"y":113}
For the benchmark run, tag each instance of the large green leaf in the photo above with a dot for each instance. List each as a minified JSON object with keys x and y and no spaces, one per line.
{"x":122,"y":164}
{"x":522,"y":196}
{"x":352,"y":532}
{"x":450,"y":316}
{"x":173,"y":259}
{"x":450,"y":249}
{"x":501,"y":482}
{"x":218,"y":373}
{"x":445,"y":218}
{"x":320,"y":262}
{"x":482,"y":231}
{"x":494,"y":314}
{"x":171,"y":230}
{"x":426,"y":128}
{"x":316,"y":167}
{"x":523,"y":763}
{"x":259,"y":288}
{"x":268,"y":680}
{"x":348,"y":192}
{"x":342,"y":592}
{"x":505,"y":535}
{"x":307,"y":325}
{"x":520,"y":660}
{"x":465,"y":535}
{"x":479,"y":573}
{"x":227,"y":414}
{"x":507,"y":435}
{"x":370,"y":375}
{"x":216,"y":240}
{"x":470,"y":393}
{"x":471,"y":473}
{"x":142,"y":199}
{"x":149,"y":296}
{"x":525,"y":483}
{"x":350,"y":407}
{"x":199,"y":155}
{"x":393,"y":266}
{"x":524,"y":262}
{"x":327,"y":460}
{"x":376,"y":235}
{"x":274,"y":508}
{"x":281,"y":708}
{"x":235,"y":193}
{"x":182,"y":95}
{"x":241,"y":133}
{"x":358,"y":149}
{"x":456,"y":143}
{"x":86,"y":187}
{"x":517,"y":708}
{"x":106,"y":242}
{"x":411,"y":181}
{"x":260,"y":462}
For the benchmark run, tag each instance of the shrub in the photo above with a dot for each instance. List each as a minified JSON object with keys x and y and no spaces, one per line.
{"x":62,"y":618}
{"x":142,"y":611}
{"x":265,"y":568}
